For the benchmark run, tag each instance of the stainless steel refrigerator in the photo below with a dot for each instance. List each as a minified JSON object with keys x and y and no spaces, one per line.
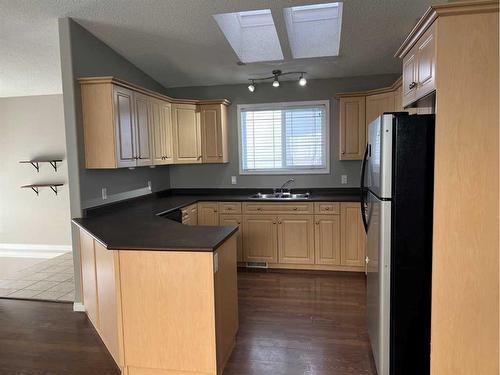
{"x":397,"y":185}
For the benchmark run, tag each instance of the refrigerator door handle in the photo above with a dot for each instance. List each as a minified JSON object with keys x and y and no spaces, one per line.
{"x":363,"y":189}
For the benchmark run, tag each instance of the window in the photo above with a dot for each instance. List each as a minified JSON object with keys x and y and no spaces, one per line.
{"x":284,"y":138}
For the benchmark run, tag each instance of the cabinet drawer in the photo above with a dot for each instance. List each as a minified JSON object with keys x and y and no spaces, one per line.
{"x":230,"y":208}
{"x":329,"y":208}
{"x":278,"y":208}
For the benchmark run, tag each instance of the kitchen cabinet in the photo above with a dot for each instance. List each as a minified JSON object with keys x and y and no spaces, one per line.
{"x":295,"y":239}
{"x":229,"y":219}
{"x":419,"y":68}
{"x":327,"y":239}
{"x":377,"y":104}
{"x":214,"y":142}
{"x":189,"y":215}
{"x":187,"y":134}
{"x":353,"y":238}
{"x":128,"y":126}
{"x":352,"y":128}
{"x":89,"y":281}
{"x":260,"y":238}
{"x":208,"y":213}
{"x":161,"y":131}
{"x":230,"y":207}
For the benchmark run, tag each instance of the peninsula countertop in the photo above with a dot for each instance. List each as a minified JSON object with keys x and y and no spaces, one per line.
{"x":137,"y":224}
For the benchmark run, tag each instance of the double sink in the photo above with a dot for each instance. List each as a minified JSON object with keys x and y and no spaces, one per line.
{"x":281,"y":195}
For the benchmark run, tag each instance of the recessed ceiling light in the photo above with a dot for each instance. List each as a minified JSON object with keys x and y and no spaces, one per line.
{"x":302,"y":81}
{"x":276,"y":82}
{"x":314,"y":30}
{"x":251,"y":34}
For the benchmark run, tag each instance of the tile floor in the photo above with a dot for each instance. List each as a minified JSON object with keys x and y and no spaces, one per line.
{"x":51,"y":280}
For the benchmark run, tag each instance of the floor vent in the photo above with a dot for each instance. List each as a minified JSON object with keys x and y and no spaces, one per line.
{"x":256,"y":264}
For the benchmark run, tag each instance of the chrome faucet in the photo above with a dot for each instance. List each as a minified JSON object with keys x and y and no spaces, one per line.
{"x":282,"y":188}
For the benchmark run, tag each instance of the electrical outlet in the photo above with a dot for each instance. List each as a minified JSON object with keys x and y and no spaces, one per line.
{"x":149,"y":185}
{"x":343,"y":179}
{"x":233,"y":180}
{"x":104,"y":192}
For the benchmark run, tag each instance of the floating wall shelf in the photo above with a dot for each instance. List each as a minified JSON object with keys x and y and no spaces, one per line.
{"x":35,"y":163}
{"x":36,"y":187}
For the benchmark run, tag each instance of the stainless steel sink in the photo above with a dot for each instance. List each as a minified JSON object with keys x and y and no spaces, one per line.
{"x":284,"y":196}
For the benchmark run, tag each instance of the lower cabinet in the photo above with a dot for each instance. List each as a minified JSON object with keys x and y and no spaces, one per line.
{"x":353,"y":238}
{"x":295,"y":239}
{"x":190,"y":215}
{"x":260,"y":238}
{"x":89,"y":282}
{"x":207,"y":213}
{"x":327,"y":239}
{"x":234,"y":220}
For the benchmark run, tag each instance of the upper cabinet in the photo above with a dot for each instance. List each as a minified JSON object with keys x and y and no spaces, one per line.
{"x":352,"y":128}
{"x":214,"y":133}
{"x":377,"y":104}
{"x":128,"y":126}
{"x":419,"y":68}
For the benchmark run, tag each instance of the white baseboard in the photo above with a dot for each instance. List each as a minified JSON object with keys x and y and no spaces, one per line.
{"x":16,"y":250}
{"x":78,"y":307}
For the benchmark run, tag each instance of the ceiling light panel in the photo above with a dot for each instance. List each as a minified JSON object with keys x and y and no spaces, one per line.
{"x":252,"y":35}
{"x":314,"y":30}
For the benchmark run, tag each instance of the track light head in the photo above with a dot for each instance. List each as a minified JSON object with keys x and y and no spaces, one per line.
{"x":302,"y":80}
{"x":251,"y":87}
{"x":276,"y":83}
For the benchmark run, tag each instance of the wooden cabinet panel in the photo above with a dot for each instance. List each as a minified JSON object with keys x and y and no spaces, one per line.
{"x":352,"y":128}
{"x":398,"y":99}
{"x":260,"y":240}
{"x":426,"y":63}
{"x":328,"y":208}
{"x":225,"y":219}
{"x":186,"y":126}
{"x":161,"y":130}
{"x":353,"y":238}
{"x":108,"y":294}
{"x":89,"y":282}
{"x":295,"y":239}
{"x":124,"y":127}
{"x":143,"y":125}
{"x":190,"y":215}
{"x":278,"y":208}
{"x":208,"y":213}
{"x":409,"y":86}
{"x":230,"y":207}
{"x":378,"y":104}
{"x":211,"y":133}
{"x":327,"y":239}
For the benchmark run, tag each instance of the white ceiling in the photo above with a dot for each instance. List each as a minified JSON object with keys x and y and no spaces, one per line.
{"x":178,"y":42}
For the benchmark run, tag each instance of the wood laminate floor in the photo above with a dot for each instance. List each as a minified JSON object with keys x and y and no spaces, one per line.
{"x":290,"y":324}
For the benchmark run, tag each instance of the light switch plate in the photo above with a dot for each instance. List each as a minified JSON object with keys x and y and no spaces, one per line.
{"x":149,"y":185}
{"x":343,"y":179}
{"x":233,"y":180}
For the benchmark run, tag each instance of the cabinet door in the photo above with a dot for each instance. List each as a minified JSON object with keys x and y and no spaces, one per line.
{"x":161,"y":130}
{"x":409,"y":86}
{"x":295,"y":239}
{"x":327,"y":239}
{"x":234,"y":220}
{"x":353,"y":237}
{"x":186,"y":126}
{"x":352,"y":128}
{"x":426,"y":63}
{"x":378,"y":104}
{"x":211,"y":133}
{"x":125,"y":128}
{"x":167,"y":132}
{"x":143,"y":124}
{"x":108,"y":294}
{"x":260,"y":238}
{"x":89,"y":282}
{"x":208,"y":213}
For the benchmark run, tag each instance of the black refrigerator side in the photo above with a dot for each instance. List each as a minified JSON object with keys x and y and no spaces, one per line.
{"x":411,"y":243}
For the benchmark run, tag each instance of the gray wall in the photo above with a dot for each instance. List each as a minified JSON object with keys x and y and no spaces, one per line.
{"x":88,"y":57}
{"x":33,"y":127}
{"x":218,"y":175}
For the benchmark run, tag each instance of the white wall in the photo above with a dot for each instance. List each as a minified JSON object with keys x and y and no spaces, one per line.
{"x":32,"y":127}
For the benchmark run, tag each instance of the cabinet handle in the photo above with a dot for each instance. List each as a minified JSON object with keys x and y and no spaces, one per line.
{"x":199,"y":157}
{"x":220,"y":155}
{"x":259,"y":208}
{"x":295,"y":208}
{"x":279,"y":222}
{"x":327,"y":208}
{"x":412,"y":85}
{"x":343,"y":152}
{"x":238,"y":222}
{"x":317,"y":223}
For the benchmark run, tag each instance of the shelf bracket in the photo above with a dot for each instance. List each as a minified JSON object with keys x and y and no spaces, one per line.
{"x":35,"y":189}
{"x":54,"y":189}
{"x":35,"y":165}
{"x":54,"y":165}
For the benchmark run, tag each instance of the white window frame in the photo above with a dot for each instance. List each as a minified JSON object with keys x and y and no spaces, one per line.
{"x":284,"y":105}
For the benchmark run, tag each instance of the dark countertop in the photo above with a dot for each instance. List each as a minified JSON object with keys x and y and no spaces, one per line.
{"x":136,"y":224}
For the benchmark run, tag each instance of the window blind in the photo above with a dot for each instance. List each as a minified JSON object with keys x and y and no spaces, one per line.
{"x":285,"y":138}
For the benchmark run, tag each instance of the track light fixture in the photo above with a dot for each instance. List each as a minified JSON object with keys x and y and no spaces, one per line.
{"x":275,"y":77}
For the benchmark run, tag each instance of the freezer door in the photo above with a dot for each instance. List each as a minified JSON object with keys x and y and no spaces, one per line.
{"x":378,"y":280}
{"x":379,"y":158}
